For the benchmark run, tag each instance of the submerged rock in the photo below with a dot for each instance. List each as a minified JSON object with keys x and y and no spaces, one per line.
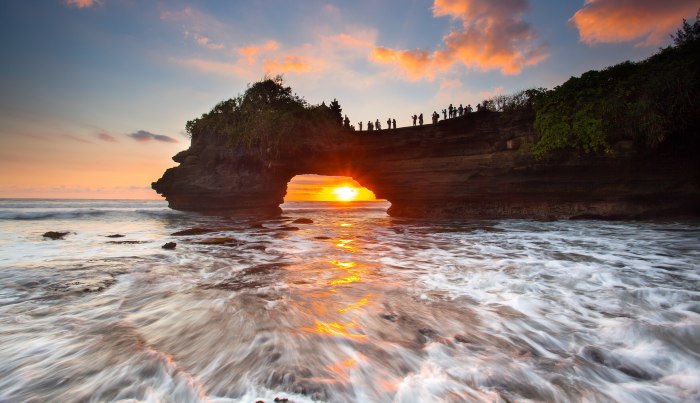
{"x":219,"y":241}
{"x":303,"y":221}
{"x":288,"y":228}
{"x":193,"y":231}
{"x":116,"y":236}
{"x":169,"y":245}
{"x":127,"y":242}
{"x":55,"y":235}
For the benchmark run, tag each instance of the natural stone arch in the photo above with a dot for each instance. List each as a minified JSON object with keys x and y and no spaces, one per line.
{"x":472,"y":167}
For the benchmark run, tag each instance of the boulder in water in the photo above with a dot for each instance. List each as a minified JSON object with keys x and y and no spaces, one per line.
{"x":303,"y":221}
{"x":169,"y":245}
{"x":55,"y":235}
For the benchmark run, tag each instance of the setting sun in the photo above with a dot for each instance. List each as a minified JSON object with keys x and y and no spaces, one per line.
{"x":345,"y":193}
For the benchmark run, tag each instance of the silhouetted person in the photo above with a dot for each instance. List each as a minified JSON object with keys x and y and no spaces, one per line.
{"x":388,"y":123}
{"x":435,"y":117}
{"x":360,"y":124}
{"x":394,"y":122}
{"x":461,"y":110}
{"x":444,"y":114}
{"x":370,"y":126}
{"x":377,"y":125}
{"x":452,"y":112}
{"x":420,"y":119}
{"x":414,"y":119}
{"x":469,"y":108}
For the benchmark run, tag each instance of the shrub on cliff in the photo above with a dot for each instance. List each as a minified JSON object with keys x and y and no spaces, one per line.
{"x":265,"y":118}
{"x":652,"y":102}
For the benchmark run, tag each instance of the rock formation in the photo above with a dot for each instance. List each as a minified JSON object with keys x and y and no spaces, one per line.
{"x":477,"y":166}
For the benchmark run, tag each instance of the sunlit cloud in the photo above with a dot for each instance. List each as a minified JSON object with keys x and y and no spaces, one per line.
{"x":144,"y":136}
{"x":287,"y":64}
{"x":251,"y":51}
{"x":82,"y":3}
{"x":204,"y":41}
{"x":106,"y":137}
{"x":647,"y":22}
{"x":492,"y":35}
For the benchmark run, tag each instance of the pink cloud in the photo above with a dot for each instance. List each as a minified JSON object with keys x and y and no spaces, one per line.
{"x":491,"y":36}
{"x":647,"y":21}
{"x":82,"y":3}
{"x":204,"y":41}
{"x":106,"y":137}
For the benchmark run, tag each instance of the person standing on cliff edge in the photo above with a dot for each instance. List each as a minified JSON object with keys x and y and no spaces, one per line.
{"x":360,"y":124}
{"x":394,"y":122}
{"x":414,"y":119}
{"x":420,"y":119}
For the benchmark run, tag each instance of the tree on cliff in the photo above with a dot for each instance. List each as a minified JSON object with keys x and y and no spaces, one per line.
{"x":654,"y":103}
{"x":266,"y":117}
{"x":337,"y":112}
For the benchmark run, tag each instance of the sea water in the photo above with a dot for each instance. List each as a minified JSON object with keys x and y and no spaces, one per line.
{"x":356,"y":306}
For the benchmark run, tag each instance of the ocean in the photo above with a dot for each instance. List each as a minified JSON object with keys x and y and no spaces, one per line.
{"x":350,"y":305}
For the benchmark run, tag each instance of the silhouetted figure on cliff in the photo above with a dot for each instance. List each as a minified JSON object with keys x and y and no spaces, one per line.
{"x":436,"y":117}
{"x":451,"y":110}
{"x":394,"y":122}
{"x":377,"y":125}
{"x":414,"y":117}
{"x":360,"y":124}
{"x":370,"y":126}
{"x":478,"y":107}
{"x":346,"y":122}
{"x":388,"y":123}
{"x":469,"y":108}
{"x":420,"y":119}
{"x":461,"y":110}
{"x":444,"y":114}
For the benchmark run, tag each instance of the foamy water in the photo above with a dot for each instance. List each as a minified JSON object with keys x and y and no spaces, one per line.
{"x":356,"y":306}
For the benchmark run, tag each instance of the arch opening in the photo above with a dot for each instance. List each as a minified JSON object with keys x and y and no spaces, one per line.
{"x":322,"y":188}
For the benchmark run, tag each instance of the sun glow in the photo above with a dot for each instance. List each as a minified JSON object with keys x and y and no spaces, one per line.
{"x":345,"y":193}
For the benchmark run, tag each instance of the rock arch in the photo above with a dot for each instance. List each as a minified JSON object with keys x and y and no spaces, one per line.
{"x":471,"y":167}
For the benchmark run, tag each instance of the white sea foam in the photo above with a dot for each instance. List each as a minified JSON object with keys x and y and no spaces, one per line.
{"x":357,"y":306}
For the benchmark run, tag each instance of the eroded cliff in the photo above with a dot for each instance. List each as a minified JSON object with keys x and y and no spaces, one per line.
{"x":477,"y":166}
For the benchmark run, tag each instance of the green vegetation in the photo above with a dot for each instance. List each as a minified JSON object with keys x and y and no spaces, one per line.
{"x":652,"y":102}
{"x":266,"y":117}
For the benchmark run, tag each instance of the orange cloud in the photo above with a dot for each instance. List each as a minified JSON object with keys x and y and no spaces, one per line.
{"x":415,"y":63}
{"x":353,"y":41}
{"x":646,"y":21}
{"x":287,"y":64}
{"x":250,"y":51}
{"x":492,"y":35}
{"x":82,"y":3}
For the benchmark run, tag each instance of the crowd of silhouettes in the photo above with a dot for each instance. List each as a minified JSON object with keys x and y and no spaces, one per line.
{"x":450,"y":112}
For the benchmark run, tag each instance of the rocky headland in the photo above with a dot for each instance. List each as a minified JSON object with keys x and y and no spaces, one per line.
{"x":476,"y":166}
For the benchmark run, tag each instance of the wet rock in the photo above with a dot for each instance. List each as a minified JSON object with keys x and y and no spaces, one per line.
{"x":288,"y":228}
{"x":460,"y":338}
{"x":228,"y":241}
{"x":127,"y":242}
{"x":115,"y":236}
{"x":281,"y":399}
{"x":392,"y":317}
{"x":322,"y":237}
{"x":193,"y":231}
{"x":303,"y":221}
{"x":169,"y":246}
{"x":259,"y":401}
{"x":55,"y":235}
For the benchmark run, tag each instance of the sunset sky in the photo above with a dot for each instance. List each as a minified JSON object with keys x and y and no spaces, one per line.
{"x":94,"y":94}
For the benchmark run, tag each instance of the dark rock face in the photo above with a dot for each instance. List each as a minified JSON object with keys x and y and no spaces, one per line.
{"x":471,"y":167}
